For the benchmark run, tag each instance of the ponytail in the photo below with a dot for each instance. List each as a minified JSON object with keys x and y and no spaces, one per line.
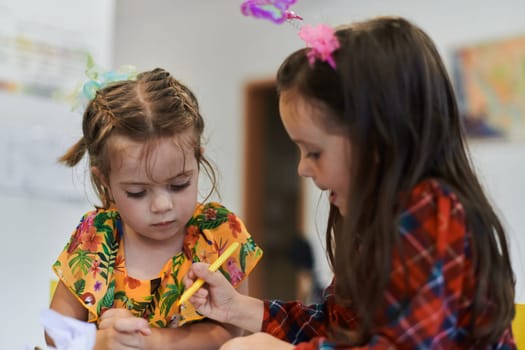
{"x":74,"y":154}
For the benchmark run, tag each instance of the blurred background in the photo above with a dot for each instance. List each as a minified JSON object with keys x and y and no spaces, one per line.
{"x":229,"y":61}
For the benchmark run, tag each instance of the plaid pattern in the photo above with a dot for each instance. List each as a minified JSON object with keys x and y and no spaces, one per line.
{"x":432,"y":312}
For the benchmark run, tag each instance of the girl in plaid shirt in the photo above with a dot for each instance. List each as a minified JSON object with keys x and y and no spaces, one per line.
{"x":419,"y":256}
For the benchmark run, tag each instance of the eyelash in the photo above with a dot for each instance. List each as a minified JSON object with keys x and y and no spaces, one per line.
{"x":174,"y":188}
{"x":180,"y":187}
{"x":136,"y":194}
{"x":313,"y":155}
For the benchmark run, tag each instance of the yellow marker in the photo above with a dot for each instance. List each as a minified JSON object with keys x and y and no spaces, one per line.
{"x":213,"y":267}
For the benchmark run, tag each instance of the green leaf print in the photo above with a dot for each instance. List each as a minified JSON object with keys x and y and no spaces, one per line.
{"x":177,"y":263}
{"x":242,"y":257}
{"x":107,"y":301}
{"x":112,"y":244}
{"x":222,"y":212}
{"x":139,"y":306}
{"x":105,"y":249}
{"x":250,"y":244}
{"x":246,"y":249}
{"x":225,"y":273}
{"x":211,"y":224}
{"x":212,"y":217}
{"x":103,"y":274}
{"x":102,"y":217}
{"x":192,"y":222}
{"x":172,"y":294}
{"x":108,"y":256}
{"x":79,"y":286}
{"x":81,"y":261}
{"x":121,"y":295}
{"x":129,"y":304}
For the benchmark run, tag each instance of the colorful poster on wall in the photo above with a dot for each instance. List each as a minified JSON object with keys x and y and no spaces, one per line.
{"x":44,"y":46}
{"x":43,"y":55}
{"x":45,"y":65}
{"x":490,"y":82}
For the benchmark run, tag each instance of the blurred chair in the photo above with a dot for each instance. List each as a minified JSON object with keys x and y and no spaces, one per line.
{"x":52,"y":286}
{"x":518,"y":326}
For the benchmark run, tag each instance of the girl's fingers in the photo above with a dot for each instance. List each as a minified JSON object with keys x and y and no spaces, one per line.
{"x":132,"y":324}
{"x":116,"y":312}
{"x":198,"y":301}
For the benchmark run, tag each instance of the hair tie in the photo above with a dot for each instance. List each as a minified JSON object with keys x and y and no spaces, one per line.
{"x":98,"y":79}
{"x":322,"y":43}
{"x":275,"y":11}
{"x":320,"y":40}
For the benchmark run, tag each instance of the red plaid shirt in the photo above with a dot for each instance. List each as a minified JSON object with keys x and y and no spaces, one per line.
{"x":436,"y":311}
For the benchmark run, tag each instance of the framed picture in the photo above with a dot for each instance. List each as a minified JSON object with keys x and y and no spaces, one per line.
{"x":490,"y":84}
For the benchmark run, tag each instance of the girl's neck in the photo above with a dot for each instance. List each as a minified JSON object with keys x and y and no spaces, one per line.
{"x":144,"y":258}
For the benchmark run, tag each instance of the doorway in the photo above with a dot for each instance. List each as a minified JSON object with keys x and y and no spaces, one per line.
{"x":272,"y":194}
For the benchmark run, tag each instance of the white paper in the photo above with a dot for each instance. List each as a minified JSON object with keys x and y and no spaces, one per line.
{"x":68,"y":333}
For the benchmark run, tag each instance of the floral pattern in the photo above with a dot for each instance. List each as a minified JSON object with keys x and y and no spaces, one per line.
{"x":92,"y":264}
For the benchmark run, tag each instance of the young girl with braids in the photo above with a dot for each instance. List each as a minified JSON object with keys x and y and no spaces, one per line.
{"x":420,"y":259}
{"x":128,"y":256}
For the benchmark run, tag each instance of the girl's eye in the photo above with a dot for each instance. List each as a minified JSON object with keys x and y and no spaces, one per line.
{"x":179,"y":187}
{"x":313,"y":155}
{"x":136,"y":194}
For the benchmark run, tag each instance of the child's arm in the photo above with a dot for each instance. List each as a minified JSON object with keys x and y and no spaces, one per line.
{"x":220,"y":301}
{"x":258,"y":340}
{"x":199,"y":335}
{"x":206,"y":334}
{"x":65,"y":303}
{"x":129,"y":331}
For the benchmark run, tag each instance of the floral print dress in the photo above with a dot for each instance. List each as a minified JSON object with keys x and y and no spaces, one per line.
{"x":92,"y":264}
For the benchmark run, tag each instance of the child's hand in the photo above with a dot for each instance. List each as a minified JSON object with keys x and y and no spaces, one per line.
{"x":124,"y":320}
{"x":119,"y":329}
{"x":256,"y":341}
{"x":216,"y":297}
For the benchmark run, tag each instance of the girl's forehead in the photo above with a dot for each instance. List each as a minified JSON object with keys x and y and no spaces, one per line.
{"x":308,"y":111}
{"x":295,"y":106}
{"x":119,"y":144}
{"x":127,"y":154}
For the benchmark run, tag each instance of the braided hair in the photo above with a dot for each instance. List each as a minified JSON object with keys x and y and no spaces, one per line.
{"x":153,"y":106}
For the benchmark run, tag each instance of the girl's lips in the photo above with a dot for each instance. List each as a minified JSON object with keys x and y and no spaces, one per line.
{"x":164,"y":223}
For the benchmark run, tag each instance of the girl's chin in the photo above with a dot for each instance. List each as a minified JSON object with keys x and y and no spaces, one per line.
{"x":333,"y":201}
{"x":331,"y":198}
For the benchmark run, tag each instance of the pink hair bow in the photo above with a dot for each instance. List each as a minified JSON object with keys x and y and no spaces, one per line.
{"x":322,"y":43}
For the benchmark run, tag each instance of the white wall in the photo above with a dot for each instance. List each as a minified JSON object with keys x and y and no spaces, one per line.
{"x":36,"y":218}
{"x":214,"y":49}
{"x":502,"y":168}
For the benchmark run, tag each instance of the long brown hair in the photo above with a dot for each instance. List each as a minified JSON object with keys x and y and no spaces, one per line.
{"x":154,"y":105}
{"x":391,"y":92}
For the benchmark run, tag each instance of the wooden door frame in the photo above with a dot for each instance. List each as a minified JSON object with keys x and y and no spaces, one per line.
{"x":254,"y":155}
{"x":255,"y":130}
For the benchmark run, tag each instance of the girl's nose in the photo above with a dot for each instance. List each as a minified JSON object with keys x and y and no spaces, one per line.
{"x":161,"y":202}
{"x":303,"y":169}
